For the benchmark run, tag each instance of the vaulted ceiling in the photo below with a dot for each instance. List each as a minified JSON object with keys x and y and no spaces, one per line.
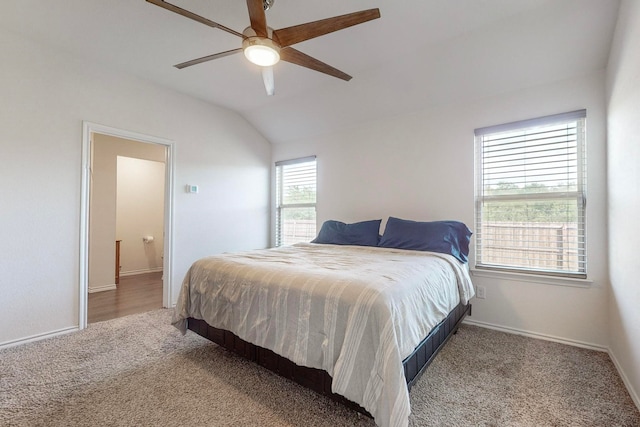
{"x":420,"y":54}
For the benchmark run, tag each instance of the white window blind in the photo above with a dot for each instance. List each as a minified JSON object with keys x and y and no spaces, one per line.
{"x":531,"y":196}
{"x":295,"y":201}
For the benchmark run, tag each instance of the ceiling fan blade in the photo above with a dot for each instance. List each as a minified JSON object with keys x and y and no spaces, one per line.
{"x":257,"y":16}
{"x":294,"y":56}
{"x":298,"y":33}
{"x":207,"y":58}
{"x":180,"y":11}
{"x":267,"y":78}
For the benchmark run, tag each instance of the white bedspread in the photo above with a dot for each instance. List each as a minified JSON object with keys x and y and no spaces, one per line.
{"x":356,"y":312}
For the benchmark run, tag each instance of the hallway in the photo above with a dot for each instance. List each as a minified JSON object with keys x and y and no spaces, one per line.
{"x":135,"y":294}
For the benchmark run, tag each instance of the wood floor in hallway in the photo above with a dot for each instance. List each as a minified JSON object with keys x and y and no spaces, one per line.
{"x":135,"y":294}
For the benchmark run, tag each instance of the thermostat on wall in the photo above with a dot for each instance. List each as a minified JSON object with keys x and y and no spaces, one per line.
{"x":192,"y":188}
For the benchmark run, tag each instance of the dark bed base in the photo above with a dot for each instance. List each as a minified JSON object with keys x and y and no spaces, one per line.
{"x":319,"y":380}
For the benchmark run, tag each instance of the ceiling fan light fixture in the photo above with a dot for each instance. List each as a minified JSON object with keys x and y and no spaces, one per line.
{"x":261,"y":51}
{"x":266,"y":4}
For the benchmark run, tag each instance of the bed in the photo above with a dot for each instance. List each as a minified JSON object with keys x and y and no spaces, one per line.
{"x":358,"y":323}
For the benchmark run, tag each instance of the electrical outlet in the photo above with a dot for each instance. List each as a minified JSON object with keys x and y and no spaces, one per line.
{"x":481,"y":292}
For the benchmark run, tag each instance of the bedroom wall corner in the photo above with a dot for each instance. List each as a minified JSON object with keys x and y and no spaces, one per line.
{"x":623,"y":153}
{"x":421,"y":166}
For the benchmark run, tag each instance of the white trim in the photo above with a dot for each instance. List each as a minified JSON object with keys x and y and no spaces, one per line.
{"x":538,"y":121}
{"x":167,"y":260}
{"x":83,"y":280}
{"x":625,"y":380}
{"x":537,"y":335}
{"x":136,"y":272}
{"x":532,"y":278}
{"x":38,"y":337}
{"x":88,"y":129}
{"x":103,"y":288}
{"x":295,"y":161}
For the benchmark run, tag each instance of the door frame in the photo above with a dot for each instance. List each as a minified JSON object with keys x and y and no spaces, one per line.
{"x":89,"y":128}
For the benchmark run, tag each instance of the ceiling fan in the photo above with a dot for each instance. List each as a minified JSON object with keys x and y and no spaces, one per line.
{"x":265,"y":46}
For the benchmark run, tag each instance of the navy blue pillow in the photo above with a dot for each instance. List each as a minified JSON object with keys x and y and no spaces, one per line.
{"x":447,"y":237}
{"x":365,"y":233}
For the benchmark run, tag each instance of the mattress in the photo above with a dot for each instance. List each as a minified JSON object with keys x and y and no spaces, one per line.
{"x":355,"y":312}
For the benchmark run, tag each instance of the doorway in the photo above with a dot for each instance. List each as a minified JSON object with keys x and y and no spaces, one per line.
{"x":126,"y":235}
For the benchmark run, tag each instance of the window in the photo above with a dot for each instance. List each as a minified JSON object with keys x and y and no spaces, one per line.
{"x":531,"y":196}
{"x":295,"y":201}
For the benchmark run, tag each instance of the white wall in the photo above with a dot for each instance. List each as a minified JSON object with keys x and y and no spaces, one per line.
{"x":139,"y":214}
{"x":46,"y":94}
{"x":623,"y":151}
{"x":421,"y":167}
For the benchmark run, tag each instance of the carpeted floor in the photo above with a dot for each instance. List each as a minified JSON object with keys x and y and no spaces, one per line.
{"x":115,"y":375}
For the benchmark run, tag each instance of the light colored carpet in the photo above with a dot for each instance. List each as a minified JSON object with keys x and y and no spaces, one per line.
{"x":113,"y":374}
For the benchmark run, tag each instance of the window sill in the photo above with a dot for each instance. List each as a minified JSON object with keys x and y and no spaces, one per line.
{"x":533,"y":278}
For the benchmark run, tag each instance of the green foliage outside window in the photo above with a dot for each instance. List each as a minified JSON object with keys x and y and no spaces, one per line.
{"x":299,"y":194}
{"x":538,"y":210}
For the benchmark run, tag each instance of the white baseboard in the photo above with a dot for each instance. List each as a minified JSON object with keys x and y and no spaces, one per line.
{"x":38,"y":337}
{"x":537,"y":335}
{"x":102,"y":288}
{"x":625,"y":380}
{"x":136,"y":272}
{"x":113,"y":286}
{"x":623,"y":376}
